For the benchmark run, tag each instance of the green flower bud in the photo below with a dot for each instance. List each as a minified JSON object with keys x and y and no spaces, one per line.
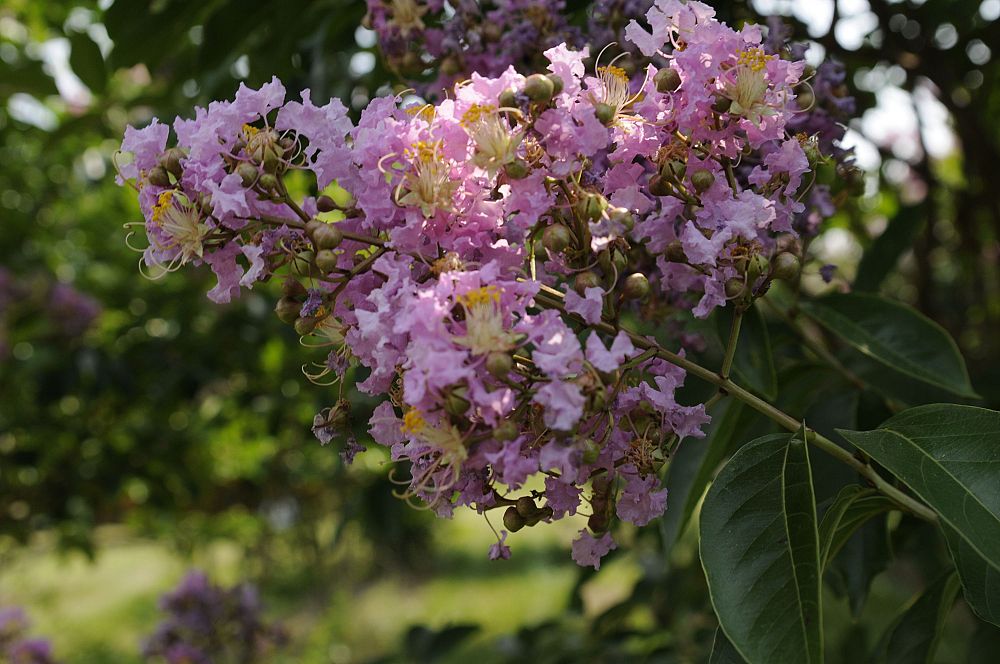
{"x":658,"y":186}
{"x":158,"y":176}
{"x":675,"y":252}
{"x":324,"y":235}
{"x":248,"y":173}
{"x":506,"y":99}
{"x":512,"y":521}
{"x":499,"y":364}
{"x":557,"y":83}
{"x":619,"y":261}
{"x":455,"y":402}
{"x":636,"y":286}
{"x":667,"y":80}
{"x":287,"y":309}
{"x":734,"y":288}
{"x":622,"y":216}
{"x":586,"y":279}
{"x":325,"y":204}
{"x":591,"y":451}
{"x":326,"y":260}
{"x":556,"y":238}
{"x":517,"y":169}
{"x":605,"y":113}
{"x":305,"y":325}
{"x":702,"y":179}
{"x":171,"y":161}
{"x":758,"y":266}
{"x":539,"y":88}
{"x":722,"y":104}
{"x":805,"y":99}
{"x":292,"y":288}
{"x":785,"y":266}
{"x":506,"y":431}
{"x":591,"y":206}
{"x":268,"y":182}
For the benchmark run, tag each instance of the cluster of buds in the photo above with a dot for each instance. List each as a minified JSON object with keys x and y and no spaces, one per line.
{"x":484,"y":258}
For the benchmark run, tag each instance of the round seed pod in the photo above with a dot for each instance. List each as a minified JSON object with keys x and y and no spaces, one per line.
{"x":586,"y":279}
{"x":675,"y":252}
{"x":171,"y":161}
{"x":248,"y":173}
{"x":158,"y":176}
{"x":539,"y":88}
{"x":605,"y":113}
{"x":326,"y":260}
{"x":506,"y":99}
{"x":636,"y":286}
{"x":557,"y":83}
{"x":305,"y":325}
{"x":526,"y":506}
{"x":325,"y":236}
{"x":734,"y":288}
{"x":499,"y":364}
{"x":702,"y":179}
{"x":268,"y":182}
{"x":287,"y":309}
{"x":512,"y":521}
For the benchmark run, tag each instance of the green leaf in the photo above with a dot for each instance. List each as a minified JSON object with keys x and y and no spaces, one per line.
{"x":852,"y":507}
{"x":913,"y":637}
{"x":980,"y":579}
{"x":896,"y":336}
{"x":984,"y":645}
{"x":87,"y":62}
{"x":696,"y":461}
{"x":949,"y":455}
{"x":753,"y":363}
{"x":881,"y":257}
{"x":723,"y":651}
{"x":760,"y":552}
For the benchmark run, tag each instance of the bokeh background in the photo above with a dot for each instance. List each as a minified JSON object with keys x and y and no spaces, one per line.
{"x":145,"y":431}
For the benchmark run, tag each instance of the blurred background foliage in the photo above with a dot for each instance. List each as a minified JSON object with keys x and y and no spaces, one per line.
{"x":171,"y":430}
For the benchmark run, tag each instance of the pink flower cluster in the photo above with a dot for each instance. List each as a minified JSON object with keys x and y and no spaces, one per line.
{"x":481,"y":257}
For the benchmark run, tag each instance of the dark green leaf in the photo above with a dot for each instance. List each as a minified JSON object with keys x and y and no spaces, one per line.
{"x":695,"y":463}
{"x":723,"y":651}
{"x":87,"y":62}
{"x":881,"y":257}
{"x":863,"y":557}
{"x":984,"y":645}
{"x":760,"y":551}
{"x":980,"y":579}
{"x":895,"y":335}
{"x":913,"y":637}
{"x":852,"y":507}
{"x":950,"y":456}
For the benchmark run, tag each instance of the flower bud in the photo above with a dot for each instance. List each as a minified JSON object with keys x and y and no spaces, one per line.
{"x":734,"y":288}
{"x":758,"y":266}
{"x":591,"y":206}
{"x":591,"y":451}
{"x":158,"y":176}
{"x":293,"y":288}
{"x":526,"y":507}
{"x":702,"y":179}
{"x":506,"y":431}
{"x":287,"y":309}
{"x":171,"y":161}
{"x":499,"y":364}
{"x":506,"y":99}
{"x":675,"y":252}
{"x":605,"y":113}
{"x":326,"y":260}
{"x":517,"y":169}
{"x":556,"y":238}
{"x":248,"y":173}
{"x":304,"y":325}
{"x":785,"y":266}
{"x":268,"y":182}
{"x":658,"y":186}
{"x":722,"y":104}
{"x":586,"y":279}
{"x":619,"y":261}
{"x":512,"y":521}
{"x":557,"y":83}
{"x":805,"y":99}
{"x":325,"y":204}
{"x":636,"y":286}
{"x":455,"y":402}
{"x":539,"y":88}
{"x":622,"y":216}
{"x":667,"y":80}
{"x":324,"y":235}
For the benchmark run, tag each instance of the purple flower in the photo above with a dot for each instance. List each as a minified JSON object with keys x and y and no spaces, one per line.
{"x":588,"y":549}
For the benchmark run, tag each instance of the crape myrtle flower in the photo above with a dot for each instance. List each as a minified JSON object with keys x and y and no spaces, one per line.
{"x":208,"y":623}
{"x":478,"y":256}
